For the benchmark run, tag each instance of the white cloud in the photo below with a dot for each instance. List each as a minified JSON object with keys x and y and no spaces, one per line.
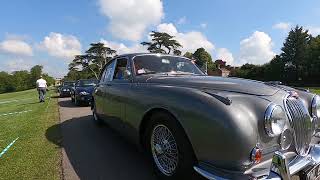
{"x":256,"y":49}
{"x":182,"y":20}
{"x":285,"y":26}
{"x":203,"y":25}
{"x":17,"y":64}
{"x":130,"y":18}
{"x":190,"y":41}
{"x":62,"y":46}
{"x":168,"y":28}
{"x":225,"y":55}
{"x":16,"y":47}
{"x":122,"y":48}
{"x":314,"y":30}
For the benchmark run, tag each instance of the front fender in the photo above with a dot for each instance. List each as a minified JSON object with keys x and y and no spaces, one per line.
{"x":220,"y":134}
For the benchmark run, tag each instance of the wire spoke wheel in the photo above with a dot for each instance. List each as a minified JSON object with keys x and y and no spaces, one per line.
{"x":164,"y":150}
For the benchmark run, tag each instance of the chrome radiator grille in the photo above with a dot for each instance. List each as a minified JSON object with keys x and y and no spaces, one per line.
{"x":301,"y":123}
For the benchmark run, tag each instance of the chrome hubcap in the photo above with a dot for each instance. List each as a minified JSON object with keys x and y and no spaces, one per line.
{"x":164,"y":150}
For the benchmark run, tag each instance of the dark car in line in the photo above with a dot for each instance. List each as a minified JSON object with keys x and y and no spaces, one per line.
{"x":221,"y":128}
{"x":82,"y":91}
{"x":65,"y":88}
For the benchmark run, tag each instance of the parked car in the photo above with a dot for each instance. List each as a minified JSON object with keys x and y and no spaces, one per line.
{"x":221,"y":128}
{"x":82,"y":91}
{"x":65,"y":89}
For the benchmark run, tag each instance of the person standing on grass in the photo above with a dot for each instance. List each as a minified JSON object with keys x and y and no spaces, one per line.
{"x":42,"y":88}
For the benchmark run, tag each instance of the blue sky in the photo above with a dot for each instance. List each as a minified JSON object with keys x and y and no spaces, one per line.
{"x":51,"y":32}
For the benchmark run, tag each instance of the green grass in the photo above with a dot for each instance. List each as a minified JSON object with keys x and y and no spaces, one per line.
{"x":315,"y":90}
{"x":32,"y":156}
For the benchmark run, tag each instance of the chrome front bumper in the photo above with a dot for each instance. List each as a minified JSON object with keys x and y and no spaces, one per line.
{"x":282,"y":166}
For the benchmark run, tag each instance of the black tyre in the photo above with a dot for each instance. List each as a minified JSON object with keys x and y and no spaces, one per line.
{"x":169,"y":148}
{"x":72,"y":99}
{"x":95,"y":116}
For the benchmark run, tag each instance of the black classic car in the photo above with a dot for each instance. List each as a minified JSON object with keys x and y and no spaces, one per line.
{"x":82,"y":91}
{"x":220,"y":128}
{"x":65,"y":88}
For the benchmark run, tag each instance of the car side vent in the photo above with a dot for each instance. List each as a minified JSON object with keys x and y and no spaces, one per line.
{"x":224,"y":100}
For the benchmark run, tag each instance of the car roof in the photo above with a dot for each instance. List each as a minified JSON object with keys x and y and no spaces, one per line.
{"x":130,"y":55}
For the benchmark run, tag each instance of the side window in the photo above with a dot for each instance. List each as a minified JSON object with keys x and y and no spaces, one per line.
{"x":108,"y":72}
{"x":102,"y":75}
{"x":122,"y":66}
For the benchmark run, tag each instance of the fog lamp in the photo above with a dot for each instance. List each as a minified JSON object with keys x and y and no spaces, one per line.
{"x":286,"y":139}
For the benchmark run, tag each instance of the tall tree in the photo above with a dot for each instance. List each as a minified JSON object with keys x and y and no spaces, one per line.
{"x":6,"y":82}
{"x":96,"y":57}
{"x":204,"y":60}
{"x":35,"y":73}
{"x":313,"y":65}
{"x":164,"y":43}
{"x":21,"y":80}
{"x":188,"y":55}
{"x":294,"y":54}
{"x":274,"y":70}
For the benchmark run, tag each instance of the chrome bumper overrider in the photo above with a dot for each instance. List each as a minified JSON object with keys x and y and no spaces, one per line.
{"x":282,"y":167}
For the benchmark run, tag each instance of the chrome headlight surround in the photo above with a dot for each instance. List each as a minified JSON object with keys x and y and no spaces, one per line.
{"x":84,"y":93}
{"x":274,"y":120}
{"x":315,"y":106}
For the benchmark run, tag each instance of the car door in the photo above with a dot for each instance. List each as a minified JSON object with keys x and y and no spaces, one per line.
{"x":117,"y":90}
{"x":101,"y":98}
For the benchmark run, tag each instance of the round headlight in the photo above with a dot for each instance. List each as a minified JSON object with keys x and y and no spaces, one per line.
{"x":275,"y":120}
{"x":315,"y":106}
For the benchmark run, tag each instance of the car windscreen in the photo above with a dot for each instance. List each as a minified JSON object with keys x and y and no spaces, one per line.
{"x":87,"y":83}
{"x":153,"y":64}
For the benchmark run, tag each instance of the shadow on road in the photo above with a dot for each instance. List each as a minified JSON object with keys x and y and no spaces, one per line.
{"x":68,"y":104}
{"x":99,"y":152}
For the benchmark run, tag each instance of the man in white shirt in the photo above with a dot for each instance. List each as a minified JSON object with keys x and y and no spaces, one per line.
{"x":42,"y":88}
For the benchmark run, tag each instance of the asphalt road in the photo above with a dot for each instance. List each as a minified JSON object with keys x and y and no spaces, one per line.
{"x":92,"y":152}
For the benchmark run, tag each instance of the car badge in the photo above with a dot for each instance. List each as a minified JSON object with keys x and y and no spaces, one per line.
{"x":294,"y":94}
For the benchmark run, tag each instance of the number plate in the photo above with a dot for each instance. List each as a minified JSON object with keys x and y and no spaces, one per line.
{"x":313,"y":173}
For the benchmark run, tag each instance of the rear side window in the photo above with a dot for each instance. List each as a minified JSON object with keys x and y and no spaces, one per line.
{"x":108,"y":72}
{"x":102,"y":76}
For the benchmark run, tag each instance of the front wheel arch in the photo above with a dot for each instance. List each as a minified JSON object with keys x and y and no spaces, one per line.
{"x":146,"y":120}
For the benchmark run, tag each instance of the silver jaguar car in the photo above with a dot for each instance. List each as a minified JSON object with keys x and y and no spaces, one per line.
{"x":221,"y":128}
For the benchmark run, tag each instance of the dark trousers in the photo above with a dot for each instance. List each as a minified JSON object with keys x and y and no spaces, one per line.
{"x":42,"y":93}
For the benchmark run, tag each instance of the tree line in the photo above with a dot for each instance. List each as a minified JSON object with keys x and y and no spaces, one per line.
{"x":90,"y":64}
{"x":298,"y":64}
{"x":22,"y":80}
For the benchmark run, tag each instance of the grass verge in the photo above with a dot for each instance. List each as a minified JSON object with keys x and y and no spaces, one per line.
{"x":32,"y":156}
{"x":315,"y":90}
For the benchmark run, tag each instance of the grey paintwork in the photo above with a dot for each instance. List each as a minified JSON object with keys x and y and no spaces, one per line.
{"x":222,"y":134}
